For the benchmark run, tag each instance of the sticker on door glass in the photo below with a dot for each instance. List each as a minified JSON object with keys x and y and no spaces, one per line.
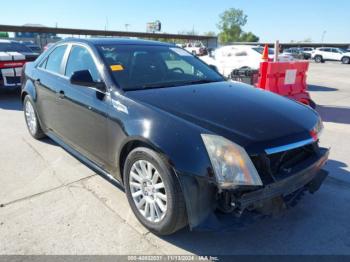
{"x":180,"y":51}
{"x":290,"y":77}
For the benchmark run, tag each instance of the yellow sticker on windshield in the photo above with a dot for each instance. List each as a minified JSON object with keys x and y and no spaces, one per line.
{"x":117,"y":67}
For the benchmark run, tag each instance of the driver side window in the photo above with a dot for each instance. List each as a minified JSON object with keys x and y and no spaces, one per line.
{"x":80,"y":59}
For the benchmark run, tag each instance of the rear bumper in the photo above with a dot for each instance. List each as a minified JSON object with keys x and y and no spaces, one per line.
{"x":310,"y":177}
{"x":10,"y":78}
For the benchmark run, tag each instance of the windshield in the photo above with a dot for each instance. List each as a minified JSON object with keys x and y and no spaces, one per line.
{"x":14,"y":47}
{"x":135,"y":67}
{"x":260,"y":50}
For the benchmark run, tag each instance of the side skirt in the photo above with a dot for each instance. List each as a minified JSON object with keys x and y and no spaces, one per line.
{"x":100,"y":171}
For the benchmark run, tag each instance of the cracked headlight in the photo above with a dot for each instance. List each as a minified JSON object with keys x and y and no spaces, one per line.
{"x":231,"y":163}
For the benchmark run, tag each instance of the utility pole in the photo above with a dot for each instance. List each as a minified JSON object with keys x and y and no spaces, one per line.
{"x":323,"y":35}
{"x":106,"y":24}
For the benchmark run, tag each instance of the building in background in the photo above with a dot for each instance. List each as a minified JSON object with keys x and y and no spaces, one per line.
{"x":40,"y":39}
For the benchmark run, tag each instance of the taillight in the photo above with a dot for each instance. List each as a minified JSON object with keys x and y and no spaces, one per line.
{"x":11,"y":64}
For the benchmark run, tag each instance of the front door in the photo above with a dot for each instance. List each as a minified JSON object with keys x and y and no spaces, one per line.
{"x":84,"y":123}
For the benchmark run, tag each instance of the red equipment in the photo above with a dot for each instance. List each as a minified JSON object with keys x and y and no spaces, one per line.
{"x":286,"y":79}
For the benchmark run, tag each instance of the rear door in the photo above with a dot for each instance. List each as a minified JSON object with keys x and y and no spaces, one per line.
{"x":327,"y":54}
{"x":84,"y":109}
{"x":48,"y":82}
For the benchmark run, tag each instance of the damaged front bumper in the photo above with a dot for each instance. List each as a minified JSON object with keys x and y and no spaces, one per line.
{"x":307,"y":176}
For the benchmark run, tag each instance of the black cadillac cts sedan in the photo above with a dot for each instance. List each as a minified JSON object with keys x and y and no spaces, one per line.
{"x":181,"y":140}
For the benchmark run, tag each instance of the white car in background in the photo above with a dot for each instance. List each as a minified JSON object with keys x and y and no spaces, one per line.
{"x":228,"y":58}
{"x":307,"y":50}
{"x":196,"y":48}
{"x":322,"y":54}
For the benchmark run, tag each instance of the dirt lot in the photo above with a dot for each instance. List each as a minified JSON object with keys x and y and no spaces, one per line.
{"x":53,"y":204}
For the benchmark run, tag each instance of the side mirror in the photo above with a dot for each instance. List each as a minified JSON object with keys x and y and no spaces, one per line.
{"x":84,"y":78}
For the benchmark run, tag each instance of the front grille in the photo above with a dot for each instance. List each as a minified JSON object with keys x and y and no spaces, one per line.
{"x":275,"y":167}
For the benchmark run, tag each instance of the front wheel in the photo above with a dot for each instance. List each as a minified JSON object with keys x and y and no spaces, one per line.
{"x":154,"y":192}
{"x":31,"y":118}
{"x":318,"y":59}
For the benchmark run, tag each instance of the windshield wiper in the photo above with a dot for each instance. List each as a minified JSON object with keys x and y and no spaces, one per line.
{"x":172,"y":84}
{"x":201,"y":81}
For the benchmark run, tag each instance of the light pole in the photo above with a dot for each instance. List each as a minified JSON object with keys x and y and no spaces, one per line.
{"x":323,"y":35}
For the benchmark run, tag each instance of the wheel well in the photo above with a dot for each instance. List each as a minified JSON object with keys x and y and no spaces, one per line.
{"x":127,"y":148}
{"x":23,"y":95}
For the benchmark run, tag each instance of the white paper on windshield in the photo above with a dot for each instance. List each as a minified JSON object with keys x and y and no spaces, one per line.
{"x":290,"y":77}
{"x":180,"y":51}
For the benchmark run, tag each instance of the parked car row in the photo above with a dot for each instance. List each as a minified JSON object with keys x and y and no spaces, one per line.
{"x":13,"y":55}
{"x":299,"y":53}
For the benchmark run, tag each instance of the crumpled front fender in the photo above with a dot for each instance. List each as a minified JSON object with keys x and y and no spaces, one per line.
{"x":200,"y":198}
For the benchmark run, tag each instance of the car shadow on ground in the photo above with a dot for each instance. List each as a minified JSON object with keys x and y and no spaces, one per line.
{"x":281,"y":234}
{"x":335,"y":114}
{"x":321,"y":88}
{"x":10,"y":100}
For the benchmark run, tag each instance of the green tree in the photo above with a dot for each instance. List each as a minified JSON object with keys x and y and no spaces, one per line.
{"x":230,"y":26}
{"x":248,"y":37}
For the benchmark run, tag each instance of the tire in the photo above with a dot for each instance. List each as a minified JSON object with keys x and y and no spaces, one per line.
{"x":319,"y":59}
{"x":174,"y":217}
{"x":345,"y":60}
{"x":31,"y":118}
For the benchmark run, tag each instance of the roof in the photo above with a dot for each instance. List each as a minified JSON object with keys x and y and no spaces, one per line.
{"x":115,"y":41}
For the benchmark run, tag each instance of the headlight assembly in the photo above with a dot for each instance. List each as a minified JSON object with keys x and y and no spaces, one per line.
{"x":317,"y":130}
{"x":232,"y":165}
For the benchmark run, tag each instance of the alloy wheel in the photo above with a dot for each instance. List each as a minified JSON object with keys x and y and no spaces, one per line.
{"x":148,"y":191}
{"x":30,"y":117}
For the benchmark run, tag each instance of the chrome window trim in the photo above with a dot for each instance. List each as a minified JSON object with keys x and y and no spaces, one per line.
{"x":290,"y":146}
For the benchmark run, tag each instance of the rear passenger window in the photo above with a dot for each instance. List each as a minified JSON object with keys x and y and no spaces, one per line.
{"x":54,"y":61}
{"x":80,"y":59}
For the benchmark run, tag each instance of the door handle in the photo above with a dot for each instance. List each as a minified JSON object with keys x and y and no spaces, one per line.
{"x":61,"y":94}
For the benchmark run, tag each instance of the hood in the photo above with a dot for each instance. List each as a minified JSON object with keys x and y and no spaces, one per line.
{"x":254,"y":118}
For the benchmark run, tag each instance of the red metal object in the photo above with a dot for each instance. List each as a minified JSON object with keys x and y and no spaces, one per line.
{"x":286,"y":79}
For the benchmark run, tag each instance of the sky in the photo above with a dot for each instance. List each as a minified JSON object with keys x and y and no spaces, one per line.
{"x":271,"y":20}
